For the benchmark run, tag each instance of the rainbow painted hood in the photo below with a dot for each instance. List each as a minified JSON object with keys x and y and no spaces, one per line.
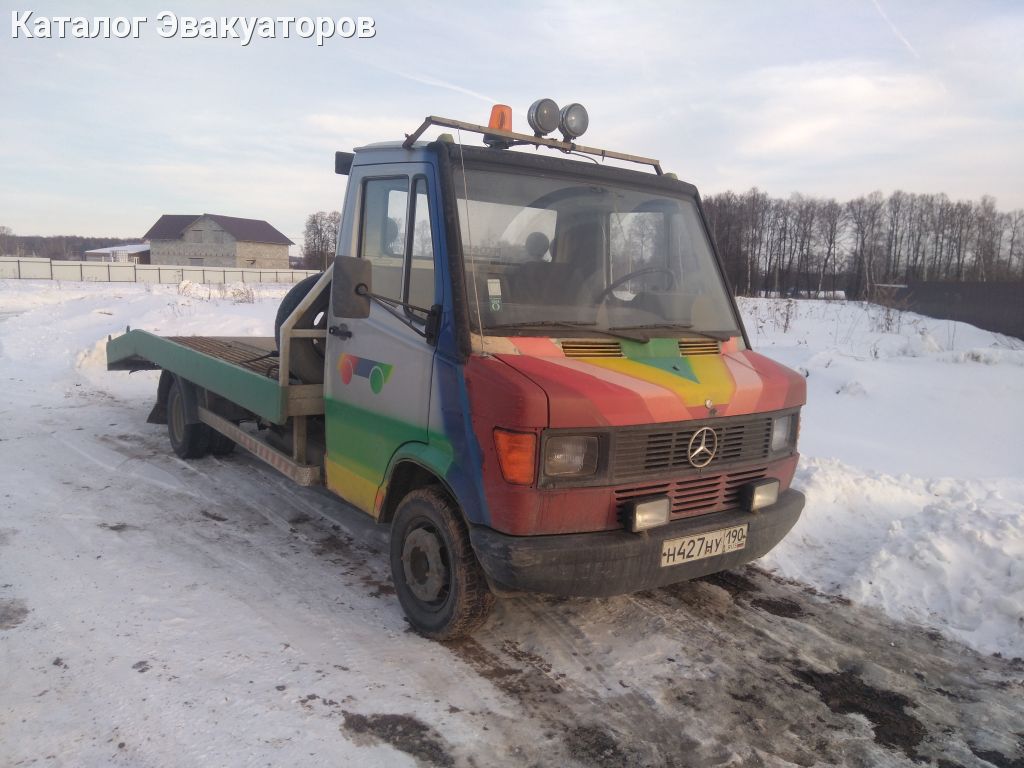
{"x":653,"y":383}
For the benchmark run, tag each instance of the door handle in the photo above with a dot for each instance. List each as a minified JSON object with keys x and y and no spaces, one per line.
{"x":341,"y":331}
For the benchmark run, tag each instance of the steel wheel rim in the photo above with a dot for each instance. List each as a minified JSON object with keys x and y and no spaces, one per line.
{"x":425,"y":564}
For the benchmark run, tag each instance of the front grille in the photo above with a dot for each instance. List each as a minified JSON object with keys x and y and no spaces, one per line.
{"x":695,"y":495}
{"x":699,"y":347}
{"x":655,"y":451}
{"x":591,"y":348}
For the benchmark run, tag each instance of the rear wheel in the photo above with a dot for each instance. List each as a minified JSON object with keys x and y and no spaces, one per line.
{"x":189,"y":441}
{"x":437,"y":577}
{"x":220,"y":445}
{"x":306,"y":355}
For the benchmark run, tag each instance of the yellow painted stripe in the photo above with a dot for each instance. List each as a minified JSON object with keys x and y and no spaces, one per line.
{"x":352,"y":486}
{"x":713,"y":379}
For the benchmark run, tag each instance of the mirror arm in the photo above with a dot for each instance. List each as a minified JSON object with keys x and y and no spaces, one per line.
{"x":389,"y":305}
{"x":362,"y":290}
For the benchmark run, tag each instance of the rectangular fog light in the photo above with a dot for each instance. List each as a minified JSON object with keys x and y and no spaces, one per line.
{"x":760,"y":494}
{"x":651,"y":513}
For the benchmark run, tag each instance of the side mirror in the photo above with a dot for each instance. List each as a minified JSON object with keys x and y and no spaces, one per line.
{"x":349,"y":274}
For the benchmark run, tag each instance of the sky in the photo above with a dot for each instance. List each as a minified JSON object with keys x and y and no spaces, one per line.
{"x":838,"y":98}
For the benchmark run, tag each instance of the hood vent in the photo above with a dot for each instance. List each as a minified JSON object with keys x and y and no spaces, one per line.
{"x":689,"y":347}
{"x":591,"y":348}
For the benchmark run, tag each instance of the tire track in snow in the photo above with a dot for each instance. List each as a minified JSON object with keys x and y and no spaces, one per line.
{"x":703,"y":673}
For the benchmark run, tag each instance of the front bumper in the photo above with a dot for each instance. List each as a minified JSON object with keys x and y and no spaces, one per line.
{"x":609,"y":563}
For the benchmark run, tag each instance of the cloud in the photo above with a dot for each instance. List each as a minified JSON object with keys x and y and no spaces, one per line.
{"x":352,"y":131}
{"x":438,"y":83}
{"x":895,"y":31}
{"x":837,"y":109}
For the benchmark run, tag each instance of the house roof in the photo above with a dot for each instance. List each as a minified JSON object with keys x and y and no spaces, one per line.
{"x":121,"y":249}
{"x":170,"y":227}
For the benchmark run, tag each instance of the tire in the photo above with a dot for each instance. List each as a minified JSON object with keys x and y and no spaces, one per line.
{"x":220,"y":445}
{"x":307,"y":355}
{"x":189,"y":441}
{"x":438,"y":580}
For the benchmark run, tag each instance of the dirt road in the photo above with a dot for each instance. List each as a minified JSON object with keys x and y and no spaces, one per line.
{"x":160,"y":612}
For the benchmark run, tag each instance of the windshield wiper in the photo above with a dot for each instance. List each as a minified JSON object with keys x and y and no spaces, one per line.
{"x":571,"y":325}
{"x":716,"y":335}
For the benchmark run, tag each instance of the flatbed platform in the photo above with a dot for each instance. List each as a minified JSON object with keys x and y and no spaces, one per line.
{"x":256,"y":353}
{"x":244,"y":370}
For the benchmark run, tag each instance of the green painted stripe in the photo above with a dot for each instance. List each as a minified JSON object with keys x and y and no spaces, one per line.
{"x":638,"y":350}
{"x":662,"y":354}
{"x":365,"y":441}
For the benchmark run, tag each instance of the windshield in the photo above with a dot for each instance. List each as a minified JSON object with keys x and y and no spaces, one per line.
{"x":570,"y":254}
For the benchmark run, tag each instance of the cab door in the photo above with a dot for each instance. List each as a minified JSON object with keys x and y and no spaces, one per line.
{"x":377,"y":388}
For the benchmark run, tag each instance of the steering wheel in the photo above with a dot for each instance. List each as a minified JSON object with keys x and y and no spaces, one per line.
{"x":603,"y":295}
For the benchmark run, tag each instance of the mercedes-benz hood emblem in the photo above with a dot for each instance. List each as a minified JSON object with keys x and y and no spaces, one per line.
{"x":702,"y":448}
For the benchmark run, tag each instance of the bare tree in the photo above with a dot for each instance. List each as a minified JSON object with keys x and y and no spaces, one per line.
{"x":6,"y":238}
{"x":320,"y":239}
{"x":802,"y":243}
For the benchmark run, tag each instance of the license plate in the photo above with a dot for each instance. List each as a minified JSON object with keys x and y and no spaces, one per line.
{"x":686,"y":549}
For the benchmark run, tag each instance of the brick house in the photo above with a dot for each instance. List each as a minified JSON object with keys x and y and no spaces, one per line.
{"x":210,"y":240}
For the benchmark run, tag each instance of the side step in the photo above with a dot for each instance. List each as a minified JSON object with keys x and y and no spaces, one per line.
{"x":303,"y":474}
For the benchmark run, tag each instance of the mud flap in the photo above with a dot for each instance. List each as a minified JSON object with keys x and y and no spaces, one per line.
{"x":190,"y":396}
{"x":158,"y":415}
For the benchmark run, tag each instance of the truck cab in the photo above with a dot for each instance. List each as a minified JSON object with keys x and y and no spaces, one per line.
{"x":534,"y":372}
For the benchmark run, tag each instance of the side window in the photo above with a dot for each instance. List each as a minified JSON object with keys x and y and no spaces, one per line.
{"x":383,"y":230}
{"x":421,"y":265}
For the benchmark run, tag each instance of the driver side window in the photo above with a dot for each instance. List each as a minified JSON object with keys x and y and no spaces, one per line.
{"x":383,"y":233}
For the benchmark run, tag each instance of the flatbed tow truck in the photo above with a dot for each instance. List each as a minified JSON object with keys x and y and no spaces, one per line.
{"x":530,"y":367}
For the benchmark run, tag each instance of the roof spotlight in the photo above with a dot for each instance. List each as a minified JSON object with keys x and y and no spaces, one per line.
{"x":543,"y":116}
{"x":573,"y":121}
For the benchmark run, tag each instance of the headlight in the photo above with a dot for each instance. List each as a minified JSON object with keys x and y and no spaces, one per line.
{"x":574,"y":455}
{"x":783,"y":432}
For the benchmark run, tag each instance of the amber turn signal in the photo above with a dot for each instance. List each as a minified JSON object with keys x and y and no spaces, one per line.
{"x":517,"y":455}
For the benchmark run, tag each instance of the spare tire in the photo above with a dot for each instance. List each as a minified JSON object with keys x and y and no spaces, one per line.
{"x":307,"y":355}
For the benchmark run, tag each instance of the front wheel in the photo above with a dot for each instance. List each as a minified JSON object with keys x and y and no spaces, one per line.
{"x":439,"y":582}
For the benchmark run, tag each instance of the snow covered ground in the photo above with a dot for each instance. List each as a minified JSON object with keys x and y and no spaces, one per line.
{"x":913,"y":464}
{"x":161,"y":612}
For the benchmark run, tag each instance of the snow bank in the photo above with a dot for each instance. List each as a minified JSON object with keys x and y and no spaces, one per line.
{"x":913,"y":464}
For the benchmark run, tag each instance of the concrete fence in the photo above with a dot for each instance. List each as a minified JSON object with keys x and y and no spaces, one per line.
{"x":120,"y":272}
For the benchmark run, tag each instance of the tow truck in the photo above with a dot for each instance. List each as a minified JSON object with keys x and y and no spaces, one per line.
{"x":525,"y":359}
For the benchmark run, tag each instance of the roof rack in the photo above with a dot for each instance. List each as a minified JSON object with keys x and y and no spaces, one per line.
{"x":523,"y":138}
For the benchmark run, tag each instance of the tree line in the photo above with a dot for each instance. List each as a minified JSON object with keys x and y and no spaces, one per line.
{"x":56,"y":247}
{"x":809,"y":245}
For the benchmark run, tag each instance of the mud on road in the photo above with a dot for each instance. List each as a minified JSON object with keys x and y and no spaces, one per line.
{"x":742,"y":669}
{"x":739,"y":668}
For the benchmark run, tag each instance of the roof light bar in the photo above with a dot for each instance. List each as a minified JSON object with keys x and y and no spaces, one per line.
{"x":523,"y":138}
